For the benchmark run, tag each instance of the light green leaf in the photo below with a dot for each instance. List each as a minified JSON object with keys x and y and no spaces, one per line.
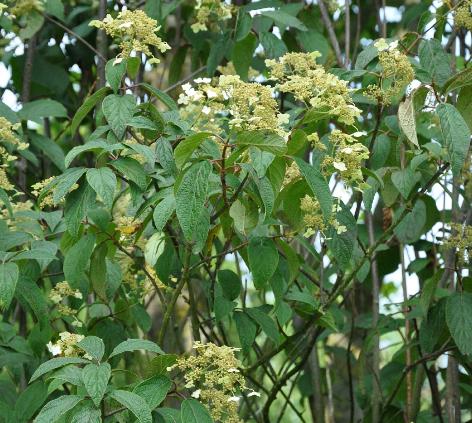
{"x":459,"y":320}
{"x":191,"y":196}
{"x":459,"y":80}
{"x":267,"y":324}
{"x":114,"y":73}
{"x":38,"y":109}
{"x":65,"y":182}
{"x":153,"y":390}
{"x":55,"y":363}
{"x":134,"y":403}
{"x":163,"y":211}
{"x":456,"y":135}
{"x":154,"y":248}
{"x":186,"y":147}
{"x":406,"y":119}
{"x":404,"y":180}
{"x":93,"y":346}
{"x":132,"y":170}
{"x":134,"y":345}
{"x":318,"y":185}
{"x":86,"y":413}
{"x":118,"y":111}
{"x":8,"y":279}
{"x":86,"y":107}
{"x":95,"y":378}
{"x":266,"y":141}
{"x":435,"y":60}
{"x":103,"y":182}
{"x":263,"y":260}
{"x":161,"y":95}
{"x":193,"y":412}
{"x":56,"y":408}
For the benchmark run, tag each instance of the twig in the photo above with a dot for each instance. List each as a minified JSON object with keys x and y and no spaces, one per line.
{"x":332,"y":35}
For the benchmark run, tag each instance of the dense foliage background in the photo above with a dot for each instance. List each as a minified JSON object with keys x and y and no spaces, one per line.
{"x":257,"y":211}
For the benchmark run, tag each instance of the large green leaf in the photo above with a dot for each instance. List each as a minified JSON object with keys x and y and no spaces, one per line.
{"x":38,"y":109}
{"x":93,"y":346}
{"x":459,"y":320}
{"x":243,"y":53}
{"x":456,"y":135}
{"x":103,"y":181}
{"x":133,"y":402}
{"x":194,"y":412}
{"x":267,"y":141}
{"x":8,"y":279}
{"x":134,"y":345}
{"x":187,"y":146}
{"x":55,"y":363}
{"x":131,"y":170}
{"x":114,"y":73}
{"x":153,"y":390}
{"x":91,"y":145}
{"x":55,"y":409}
{"x":263,"y":260}
{"x":87,"y":106}
{"x":404,"y":180}
{"x":65,"y":182}
{"x":284,"y":20}
{"x":191,"y":196}
{"x":95,"y":378}
{"x":406,"y":119}
{"x":76,"y":260}
{"x":435,"y":60}
{"x":118,"y":111}
{"x":163,"y":211}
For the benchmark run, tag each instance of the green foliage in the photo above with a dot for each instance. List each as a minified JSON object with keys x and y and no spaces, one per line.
{"x":283,"y":186}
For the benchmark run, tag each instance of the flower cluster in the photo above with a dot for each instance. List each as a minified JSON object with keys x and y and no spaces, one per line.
{"x":346,"y":157}
{"x":229,"y":69}
{"x":463,"y":15}
{"x":44,"y":190}
{"x":213,"y":375}
{"x":209,"y":13}
{"x":25,"y":7}
{"x":63,"y":290}
{"x":300,"y":75}
{"x":246,"y":105}
{"x":396,"y":73}
{"x":461,"y":241}
{"x":66,"y":346}
{"x":136,"y":32}
{"x":314,"y":220}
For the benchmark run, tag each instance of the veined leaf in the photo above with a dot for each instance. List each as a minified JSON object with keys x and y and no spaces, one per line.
{"x":134,"y":345}
{"x":459,"y":320}
{"x":194,"y":412}
{"x":118,"y":111}
{"x":95,"y":378}
{"x":103,"y":182}
{"x":266,"y":141}
{"x":406,"y":119}
{"x":56,"y":408}
{"x":134,"y":403}
{"x":8,"y":279}
{"x":87,"y":106}
{"x":55,"y":363}
{"x":263,"y":260}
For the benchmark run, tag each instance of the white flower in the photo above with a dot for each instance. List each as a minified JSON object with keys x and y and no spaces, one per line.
{"x":78,"y":294}
{"x":254,"y":394}
{"x":233,"y":399}
{"x":186,"y":87}
{"x":196,"y":394}
{"x":233,"y":370}
{"x":206,"y":110}
{"x":393,"y":45}
{"x":341,"y":229}
{"x":117,"y":61}
{"x":340,"y":166}
{"x":381,"y":44}
{"x":359,"y":134}
{"x":183,"y":99}
{"x":202,"y":80}
{"x":283,"y":118}
{"x":54,"y":349}
{"x":127,"y":24}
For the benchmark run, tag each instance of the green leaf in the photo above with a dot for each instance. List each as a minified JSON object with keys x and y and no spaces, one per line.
{"x":263,"y":260}
{"x":34,"y":254}
{"x":65,"y":182}
{"x":77,"y":204}
{"x":459,"y":80}
{"x":154,"y":248}
{"x":318,"y":185}
{"x":114,"y":73}
{"x":93,"y":346}
{"x":217,"y":53}
{"x":118,"y":111}
{"x":243,"y":25}
{"x":91,"y":145}
{"x":404,"y":180}
{"x":56,"y":408}
{"x":30,"y":295}
{"x":459,"y":320}
{"x":161,"y":95}
{"x":76,"y":260}
{"x":134,"y":345}
{"x":55,"y":363}
{"x":38,"y":109}
{"x":366,"y":56}
{"x":103,"y":182}
{"x":230,"y":284}
{"x":187,"y":146}
{"x":86,"y":413}
{"x":435,"y":61}
{"x":267,"y":195}
{"x":132,"y":170}
{"x":153,"y":390}
{"x":274,"y":47}
{"x":30,"y":400}
{"x":456,"y":135}
{"x":406,"y":120}
{"x":134,"y":403}
{"x":86,"y":107}
{"x":284,"y":20}
{"x":49,"y":148}
{"x":95,"y":378}
{"x":266,"y":141}
{"x":163,"y":211}
{"x":246,"y":329}
{"x":193,"y":412}
{"x":191,"y":196}
{"x":243,"y":53}
{"x":8,"y":279}
{"x":267,"y":324}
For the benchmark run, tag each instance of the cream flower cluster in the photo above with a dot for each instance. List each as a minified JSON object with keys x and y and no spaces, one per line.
{"x":246,"y":105}
{"x":136,"y":32}
{"x":300,"y":75}
{"x":45,"y":190}
{"x":209,"y":13}
{"x":66,"y":346}
{"x":463,"y":15}
{"x":214,"y":377}
{"x":63,"y":290}
{"x":461,"y":241}
{"x":396,"y":73}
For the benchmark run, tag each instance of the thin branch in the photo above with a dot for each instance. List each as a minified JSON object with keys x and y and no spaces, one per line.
{"x":332,"y":35}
